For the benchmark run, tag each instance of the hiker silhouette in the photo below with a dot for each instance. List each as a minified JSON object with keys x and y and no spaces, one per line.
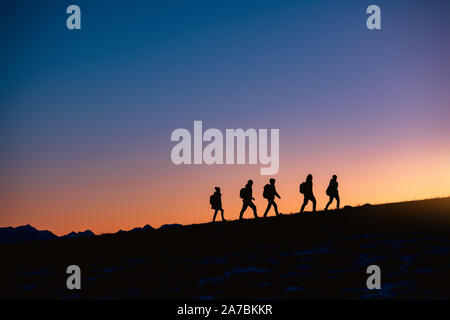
{"x":333,"y":193}
{"x":216,"y":203}
{"x":270,"y":193}
{"x":247,"y":199}
{"x":306,"y":188}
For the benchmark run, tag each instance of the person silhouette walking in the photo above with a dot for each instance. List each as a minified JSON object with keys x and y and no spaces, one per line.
{"x":247,"y":199}
{"x":333,"y":193}
{"x":306,"y":188}
{"x":216,"y":203}
{"x":270,"y":193}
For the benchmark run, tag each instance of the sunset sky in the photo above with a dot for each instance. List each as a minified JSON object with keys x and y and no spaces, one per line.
{"x":86,"y":116}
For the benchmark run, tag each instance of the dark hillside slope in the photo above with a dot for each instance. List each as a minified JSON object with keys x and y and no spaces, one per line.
{"x":322,"y":255}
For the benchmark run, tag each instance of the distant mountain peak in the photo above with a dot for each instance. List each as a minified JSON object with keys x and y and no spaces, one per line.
{"x":73,"y":234}
{"x":170,"y":226}
{"x":24,"y":233}
{"x":28,"y":233}
{"x":146,"y":228}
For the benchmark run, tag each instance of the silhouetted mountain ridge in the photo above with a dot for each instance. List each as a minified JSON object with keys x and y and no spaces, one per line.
{"x":24,"y":234}
{"x":87,"y":233}
{"x":28,"y":233}
{"x":170,"y":226}
{"x":144,"y":228}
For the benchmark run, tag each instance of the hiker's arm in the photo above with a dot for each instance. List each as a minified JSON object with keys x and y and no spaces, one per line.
{"x":276,"y":193}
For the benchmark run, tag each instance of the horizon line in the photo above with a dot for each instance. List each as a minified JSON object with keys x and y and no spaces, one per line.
{"x":201,"y":223}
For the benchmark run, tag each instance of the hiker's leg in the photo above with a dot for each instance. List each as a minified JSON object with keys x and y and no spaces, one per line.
{"x":275,"y":207}
{"x":305,"y":202}
{"x":329,"y":202}
{"x":269,"y":205}
{"x":215,"y":214}
{"x":338,"y":201}
{"x":313,"y":199}
{"x":252,"y":205}
{"x":244,"y":207}
{"x":221,"y":212}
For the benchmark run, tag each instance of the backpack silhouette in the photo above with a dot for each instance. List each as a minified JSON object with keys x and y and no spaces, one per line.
{"x":329,"y":191}
{"x":267,"y":191}
{"x":302,"y":187}
{"x":243,"y":193}
{"x":212,"y":199}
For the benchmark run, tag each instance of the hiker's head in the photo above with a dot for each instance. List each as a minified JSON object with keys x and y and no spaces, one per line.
{"x":334,"y":177}
{"x":249,"y":183}
{"x":217,"y":189}
{"x":309,"y":177}
{"x":272,"y":181}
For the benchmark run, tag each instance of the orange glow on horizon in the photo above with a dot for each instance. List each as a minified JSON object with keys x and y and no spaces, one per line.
{"x":106,"y":199}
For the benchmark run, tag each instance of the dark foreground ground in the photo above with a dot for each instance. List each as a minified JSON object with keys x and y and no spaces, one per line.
{"x":309,"y":256}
